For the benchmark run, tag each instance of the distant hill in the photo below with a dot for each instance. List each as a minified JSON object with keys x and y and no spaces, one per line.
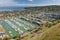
{"x":45,"y":8}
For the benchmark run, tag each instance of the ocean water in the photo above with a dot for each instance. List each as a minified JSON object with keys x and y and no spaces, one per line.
{"x":11,"y":8}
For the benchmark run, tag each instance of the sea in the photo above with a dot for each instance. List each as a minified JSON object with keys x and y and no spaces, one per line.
{"x":11,"y":8}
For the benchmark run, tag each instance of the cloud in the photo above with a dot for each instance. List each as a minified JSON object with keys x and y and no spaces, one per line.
{"x":13,"y":3}
{"x":30,"y":0}
{"x":53,"y":0}
{"x":7,"y":2}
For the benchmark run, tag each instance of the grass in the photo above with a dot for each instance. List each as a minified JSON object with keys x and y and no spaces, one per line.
{"x":1,"y":28}
{"x":53,"y":34}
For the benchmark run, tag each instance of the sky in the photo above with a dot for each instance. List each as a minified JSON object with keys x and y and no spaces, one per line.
{"x":8,"y":3}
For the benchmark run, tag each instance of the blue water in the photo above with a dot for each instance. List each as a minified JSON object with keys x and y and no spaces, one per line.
{"x":11,"y":8}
